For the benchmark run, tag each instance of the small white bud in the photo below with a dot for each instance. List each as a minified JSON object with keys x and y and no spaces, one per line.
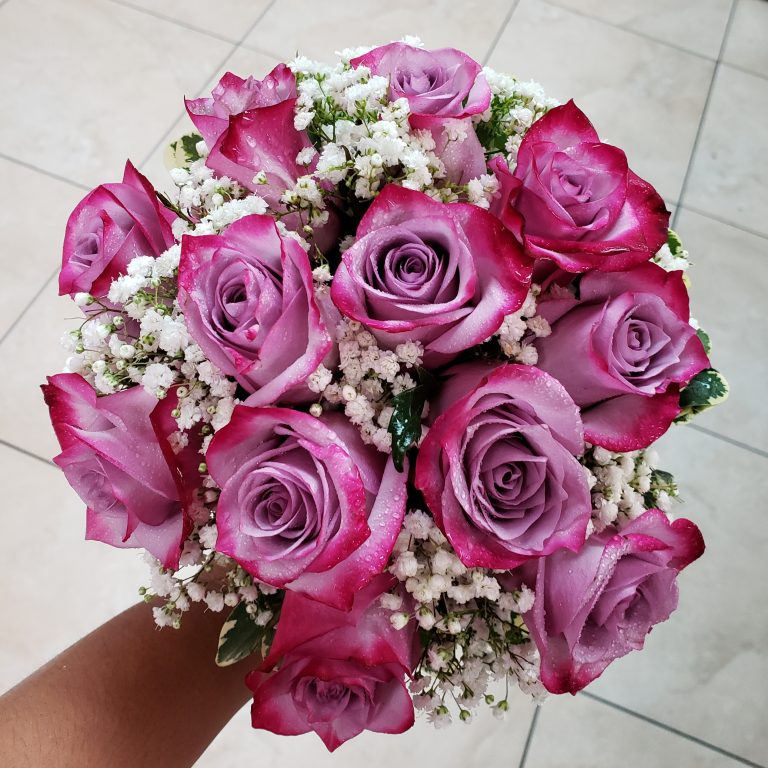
{"x":399,"y":620}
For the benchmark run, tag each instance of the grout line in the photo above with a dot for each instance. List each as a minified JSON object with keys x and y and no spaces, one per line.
{"x":721,"y":220}
{"x":229,"y":55}
{"x":172,"y":20}
{"x":37,"y":168}
{"x":28,"y":305}
{"x":671,"y":729}
{"x":529,"y":737}
{"x":702,"y":118}
{"x":500,"y":31}
{"x":31,"y":455}
{"x":730,"y":440}
{"x":644,"y":35}
{"x":745,"y":70}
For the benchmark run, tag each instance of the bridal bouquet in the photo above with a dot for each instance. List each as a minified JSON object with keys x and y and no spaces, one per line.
{"x":380,"y":381}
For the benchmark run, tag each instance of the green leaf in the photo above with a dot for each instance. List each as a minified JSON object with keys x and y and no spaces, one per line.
{"x":705,"y":389}
{"x":241,"y":636}
{"x":674,"y":242}
{"x":183,"y":152}
{"x":405,"y":423}
{"x":705,"y":340}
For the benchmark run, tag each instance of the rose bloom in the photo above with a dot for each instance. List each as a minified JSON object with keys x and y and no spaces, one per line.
{"x":598,"y":604}
{"x":111,"y":226}
{"x":341,"y":672}
{"x":444,"y":88}
{"x":498,"y":467}
{"x":305,"y":505}
{"x":630,"y":333}
{"x":248,"y":300}
{"x":442,"y":274}
{"x":116,"y":455}
{"x":583,"y":207}
{"x":248,"y":127}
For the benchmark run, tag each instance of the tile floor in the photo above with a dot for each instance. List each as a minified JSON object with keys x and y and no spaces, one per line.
{"x":682,"y":86}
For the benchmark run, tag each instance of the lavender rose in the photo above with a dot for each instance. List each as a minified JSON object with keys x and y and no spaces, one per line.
{"x":444,"y":88}
{"x":442,"y":274}
{"x":598,"y":604}
{"x":111,"y":226}
{"x":305,"y":505}
{"x":341,"y":672}
{"x":634,"y":343}
{"x":582,"y":205}
{"x":248,"y":300}
{"x":498,"y":467}
{"x":116,"y":455}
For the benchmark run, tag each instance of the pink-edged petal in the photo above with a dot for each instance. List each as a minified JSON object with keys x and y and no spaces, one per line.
{"x":162,"y":541}
{"x":651,"y":210}
{"x":681,"y":535}
{"x":631,"y":422}
{"x":647,"y":278}
{"x":393,"y":708}
{"x":337,"y":586}
{"x":565,"y":126}
{"x":363,"y":632}
{"x":273,"y":708}
{"x":502,"y":206}
{"x":265,"y":140}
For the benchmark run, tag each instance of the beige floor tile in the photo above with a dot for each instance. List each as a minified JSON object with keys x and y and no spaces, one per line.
{"x":729,"y":283}
{"x":73,"y":586}
{"x":242,"y":62}
{"x":319,"y":29}
{"x":31,"y":352}
{"x":730,"y":167}
{"x":696,"y":25}
{"x":641,"y":95}
{"x":89,"y":83}
{"x":704,"y":670}
{"x":231,"y":20}
{"x":484,"y":742}
{"x":580,"y":733}
{"x":30,"y":244}
{"x":747,"y":44}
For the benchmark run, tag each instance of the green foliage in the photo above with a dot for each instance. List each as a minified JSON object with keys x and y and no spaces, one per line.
{"x":183,"y":152}
{"x":707,"y":389}
{"x":675,"y":243}
{"x":405,"y":423}
{"x":705,"y":340}
{"x":241,"y":636}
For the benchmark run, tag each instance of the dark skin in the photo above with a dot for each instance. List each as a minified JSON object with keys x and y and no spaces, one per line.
{"x":126,"y":695}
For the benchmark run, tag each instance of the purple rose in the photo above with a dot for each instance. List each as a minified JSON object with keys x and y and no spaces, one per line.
{"x":444,"y":88}
{"x":598,"y":604}
{"x":116,"y":455}
{"x":112,"y":225}
{"x":248,"y":299}
{"x":442,"y":274}
{"x":498,"y":467}
{"x":340,"y":672}
{"x":631,"y":335}
{"x":582,"y":205}
{"x":305,"y":505}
